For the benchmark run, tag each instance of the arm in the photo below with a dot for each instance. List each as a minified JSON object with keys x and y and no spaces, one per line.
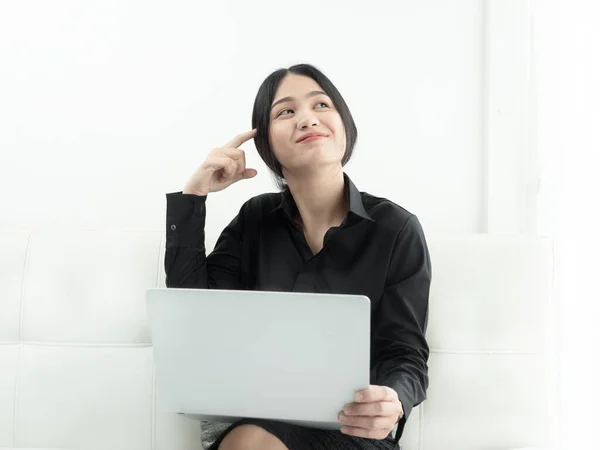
{"x":186,"y":263}
{"x":400,"y":348}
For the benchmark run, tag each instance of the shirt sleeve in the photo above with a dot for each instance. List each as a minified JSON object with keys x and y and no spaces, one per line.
{"x":401,"y":349}
{"x":186,"y":263}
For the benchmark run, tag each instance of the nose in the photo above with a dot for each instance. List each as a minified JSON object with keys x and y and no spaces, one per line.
{"x":307,"y":120}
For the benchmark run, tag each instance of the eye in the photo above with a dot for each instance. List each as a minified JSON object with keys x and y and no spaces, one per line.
{"x":284,"y":110}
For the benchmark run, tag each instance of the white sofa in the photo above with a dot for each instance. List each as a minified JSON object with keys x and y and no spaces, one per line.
{"x":76,"y":367}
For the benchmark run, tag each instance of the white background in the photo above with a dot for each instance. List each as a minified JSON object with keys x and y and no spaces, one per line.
{"x":567,"y":126}
{"x":107,"y":105}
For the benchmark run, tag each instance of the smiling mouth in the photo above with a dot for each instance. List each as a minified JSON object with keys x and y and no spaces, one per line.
{"x":312,"y":138}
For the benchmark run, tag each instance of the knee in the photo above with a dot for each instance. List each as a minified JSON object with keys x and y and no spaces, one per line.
{"x":250,"y":437}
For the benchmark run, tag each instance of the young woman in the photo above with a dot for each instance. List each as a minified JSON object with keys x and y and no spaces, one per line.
{"x":319,"y":234}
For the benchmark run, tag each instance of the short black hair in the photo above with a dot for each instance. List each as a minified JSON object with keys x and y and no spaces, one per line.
{"x":261,"y":114}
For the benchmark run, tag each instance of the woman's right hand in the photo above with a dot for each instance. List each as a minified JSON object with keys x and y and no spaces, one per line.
{"x":222,"y":167}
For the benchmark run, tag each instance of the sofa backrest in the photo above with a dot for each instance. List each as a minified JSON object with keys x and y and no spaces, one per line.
{"x":76,"y":357}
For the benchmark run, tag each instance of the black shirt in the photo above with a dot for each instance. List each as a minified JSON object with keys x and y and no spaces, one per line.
{"x":379,"y":251}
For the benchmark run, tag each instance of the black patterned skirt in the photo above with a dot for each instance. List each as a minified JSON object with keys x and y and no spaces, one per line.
{"x":297,"y":437}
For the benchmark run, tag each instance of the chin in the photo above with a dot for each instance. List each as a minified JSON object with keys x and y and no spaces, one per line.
{"x":314,"y":164}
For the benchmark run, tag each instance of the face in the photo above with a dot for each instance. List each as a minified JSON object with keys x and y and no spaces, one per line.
{"x":307,"y":110}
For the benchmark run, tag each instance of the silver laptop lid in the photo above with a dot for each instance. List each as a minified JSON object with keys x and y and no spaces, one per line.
{"x":223,"y":355}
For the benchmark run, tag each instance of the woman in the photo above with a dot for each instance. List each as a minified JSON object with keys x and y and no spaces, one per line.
{"x":319,"y":234}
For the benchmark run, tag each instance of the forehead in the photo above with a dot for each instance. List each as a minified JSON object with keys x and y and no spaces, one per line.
{"x":296,"y":85}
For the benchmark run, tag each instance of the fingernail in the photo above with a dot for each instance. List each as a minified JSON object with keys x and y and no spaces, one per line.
{"x":358,"y":396}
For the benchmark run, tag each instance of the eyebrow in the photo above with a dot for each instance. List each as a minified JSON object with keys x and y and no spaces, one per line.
{"x":288,"y":99}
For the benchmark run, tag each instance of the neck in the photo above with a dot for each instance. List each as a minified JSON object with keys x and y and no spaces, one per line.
{"x":320,"y":198}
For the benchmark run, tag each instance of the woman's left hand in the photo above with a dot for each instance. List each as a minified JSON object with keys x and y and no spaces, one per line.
{"x":374,"y":413}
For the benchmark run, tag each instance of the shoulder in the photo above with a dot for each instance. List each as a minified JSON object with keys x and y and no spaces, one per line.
{"x":389,"y":215}
{"x":260,"y":205}
{"x":408,"y":243}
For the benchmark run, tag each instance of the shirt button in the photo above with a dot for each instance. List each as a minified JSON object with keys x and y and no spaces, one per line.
{"x":173,"y":227}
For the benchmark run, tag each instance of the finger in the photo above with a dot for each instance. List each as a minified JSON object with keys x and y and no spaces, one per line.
{"x":240,"y":157}
{"x":367,"y":422}
{"x":242,"y":163}
{"x":365,"y":433}
{"x":228,"y":167}
{"x":249,"y":173}
{"x":382,"y":408}
{"x":241,"y":138}
{"x":235,"y":153}
{"x":230,"y":170}
{"x":224,"y":163}
{"x":375,"y":394}
{"x":241,"y":166}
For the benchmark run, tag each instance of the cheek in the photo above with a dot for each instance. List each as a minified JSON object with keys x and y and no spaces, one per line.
{"x":340,"y":131}
{"x":272,"y":137}
{"x":342,"y":137}
{"x":275,"y":133}
{"x":276,"y":141}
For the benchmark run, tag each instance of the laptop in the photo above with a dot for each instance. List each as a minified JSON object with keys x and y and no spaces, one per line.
{"x":224,"y":355}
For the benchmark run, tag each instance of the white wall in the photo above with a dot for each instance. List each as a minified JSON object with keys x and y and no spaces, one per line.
{"x":105,"y":106}
{"x":567,"y":43}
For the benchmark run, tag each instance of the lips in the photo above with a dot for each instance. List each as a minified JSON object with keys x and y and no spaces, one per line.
{"x":310,"y":136}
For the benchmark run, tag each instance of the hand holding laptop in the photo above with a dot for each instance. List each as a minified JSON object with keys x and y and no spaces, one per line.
{"x":374,"y":413}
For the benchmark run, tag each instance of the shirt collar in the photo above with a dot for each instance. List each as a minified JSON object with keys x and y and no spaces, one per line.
{"x":353,"y":195}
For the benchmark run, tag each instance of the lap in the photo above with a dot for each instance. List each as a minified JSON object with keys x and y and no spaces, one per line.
{"x":296,"y":437}
{"x":250,"y":437}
